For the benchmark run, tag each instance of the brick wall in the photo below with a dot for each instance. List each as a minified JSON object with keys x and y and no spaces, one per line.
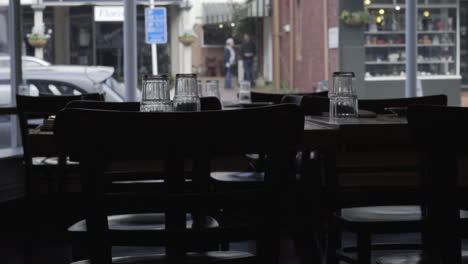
{"x":309,"y":43}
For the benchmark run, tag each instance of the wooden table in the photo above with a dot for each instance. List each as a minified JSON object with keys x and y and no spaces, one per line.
{"x":8,"y":110}
{"x":381,"y":130}
{"x":319,"y":132}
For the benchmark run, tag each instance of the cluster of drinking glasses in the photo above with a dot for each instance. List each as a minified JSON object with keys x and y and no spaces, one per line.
{"x":188,"y":90}
{"x":343,"y":96}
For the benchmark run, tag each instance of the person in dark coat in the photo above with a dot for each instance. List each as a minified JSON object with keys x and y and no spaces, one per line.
{"x":248,"y":52}
{"x":229,"y":61}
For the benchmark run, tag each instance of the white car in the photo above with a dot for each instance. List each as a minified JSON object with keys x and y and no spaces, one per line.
{"x":27,"y":61}
{"x":43,"y":78}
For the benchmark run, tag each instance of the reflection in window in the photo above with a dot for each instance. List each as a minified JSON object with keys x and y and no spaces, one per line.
{"x":216,"y":35}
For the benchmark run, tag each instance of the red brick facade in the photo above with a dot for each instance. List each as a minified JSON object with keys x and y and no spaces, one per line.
{"x":310,"y":38}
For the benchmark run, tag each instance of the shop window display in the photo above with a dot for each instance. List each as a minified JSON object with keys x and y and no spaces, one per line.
{"x":438,"y":38}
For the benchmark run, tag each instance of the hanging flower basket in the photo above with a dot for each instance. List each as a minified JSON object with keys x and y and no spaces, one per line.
{"x":354,"y":18}
{"x":187,"y":39}
{"x":37,"y":41}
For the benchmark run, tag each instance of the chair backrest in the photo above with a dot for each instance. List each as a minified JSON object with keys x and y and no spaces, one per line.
{"x":97,"y":105}
{"x":315,"y":105}
{"x":439,"y":134}
{"x":207,"y":104}
{"x":104,"y":137}
{"x":378,"y":106}
{"x":40,"y":107}
{"x":260,"y":97}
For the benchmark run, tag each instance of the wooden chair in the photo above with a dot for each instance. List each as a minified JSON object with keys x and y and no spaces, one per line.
{"x":38,"y":158}
{"x":195,"y":136}
{"x":207,"y":104}
{"x":439,"y":134}
{"x":316,"y":105}
{"x":150,"y":178}
{"x":262,"y":97}
{"x":372,"y":208}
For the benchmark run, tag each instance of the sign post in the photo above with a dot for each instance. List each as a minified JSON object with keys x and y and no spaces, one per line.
{"x":155,"y":31}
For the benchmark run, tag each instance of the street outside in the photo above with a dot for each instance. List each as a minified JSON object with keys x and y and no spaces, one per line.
{"x":464,"y":99}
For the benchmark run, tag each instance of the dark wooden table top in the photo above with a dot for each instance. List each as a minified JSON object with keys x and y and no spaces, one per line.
{"x":377,"y":130}
{"x":320,"y":132}
{"x":8,"y":110}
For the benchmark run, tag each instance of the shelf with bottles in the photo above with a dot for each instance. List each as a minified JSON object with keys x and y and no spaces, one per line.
{"x":438,"y":39}
{"x":403,"y":62}
{"x":396,"y":69}
{"x":390,"y":32}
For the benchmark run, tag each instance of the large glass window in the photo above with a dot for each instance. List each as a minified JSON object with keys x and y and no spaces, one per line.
{"x":5,"y":89}
{"x":438,"y":37}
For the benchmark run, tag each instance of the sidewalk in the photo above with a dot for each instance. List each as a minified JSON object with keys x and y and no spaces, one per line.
{"x":226,"y":94}
{"x":464,"y":99}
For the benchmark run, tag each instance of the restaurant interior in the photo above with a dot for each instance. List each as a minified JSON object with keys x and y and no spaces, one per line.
{"x":174,"y":168}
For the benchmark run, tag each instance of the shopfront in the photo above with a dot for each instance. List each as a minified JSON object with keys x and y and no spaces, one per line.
{"x":90,"y":33}
{"x":380,"y":62}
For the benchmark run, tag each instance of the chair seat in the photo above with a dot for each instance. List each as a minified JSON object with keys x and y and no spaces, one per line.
{"x":139,"y":222}
{"x":411,"y":258}
{"x":231,"y":176}
{"x":410,"y":213}
{"x":224,"y":257}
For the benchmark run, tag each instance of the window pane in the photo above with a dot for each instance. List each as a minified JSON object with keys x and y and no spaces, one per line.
{"x":5,"y":88}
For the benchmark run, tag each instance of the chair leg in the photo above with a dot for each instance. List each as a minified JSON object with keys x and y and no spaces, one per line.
{"x":333,"y":244}
{"x":364,"y":248}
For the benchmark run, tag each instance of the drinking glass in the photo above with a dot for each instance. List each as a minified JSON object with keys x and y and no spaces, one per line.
{"x":343,"y":96}
{"x":155,"y":95}
{"x":200,"y":88}
{"x":186,"y":96}
{"x":322,"y":86}
{"x":244,"y":93}
{"x":211,"y":89}
{"x":342,"y":84}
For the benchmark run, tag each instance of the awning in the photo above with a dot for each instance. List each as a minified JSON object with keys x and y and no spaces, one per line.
{"x":217,"y":13}
{"x":256,"y":8}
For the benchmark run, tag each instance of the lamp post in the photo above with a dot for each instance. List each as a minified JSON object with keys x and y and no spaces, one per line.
{"x":130,"y":50}
{"x":411,"y":48}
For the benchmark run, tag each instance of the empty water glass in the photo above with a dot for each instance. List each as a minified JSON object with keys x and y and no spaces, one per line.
{"x":244,"y":93}
{"x":343,"y":96}
{"x":186,"y":93}
{"x":211,"y":88}
{"x":343,"y":106}
{"x":200,"y":88}
{"x":155,"y":95}
{"x":322,"y":86}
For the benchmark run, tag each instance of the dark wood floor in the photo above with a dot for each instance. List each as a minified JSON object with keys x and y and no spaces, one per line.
{"x":39,"y":238}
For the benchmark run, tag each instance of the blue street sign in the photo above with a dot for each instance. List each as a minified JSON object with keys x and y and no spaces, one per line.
{"x":156,"y":25}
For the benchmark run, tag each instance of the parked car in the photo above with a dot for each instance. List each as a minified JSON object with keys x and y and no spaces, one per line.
{"x":27,"y":61}
{"x":43,"y":78}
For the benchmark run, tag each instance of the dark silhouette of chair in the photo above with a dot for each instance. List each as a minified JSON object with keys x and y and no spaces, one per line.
{"x":148,"y":178}
{"x":207,"y":104}
{"x":42,"y":159}
{"x":439,"y":134}
{"x":195,"y":136}
{"x":316,"y":105}
{"x":263,"y":97}
{"x":368,"y":209}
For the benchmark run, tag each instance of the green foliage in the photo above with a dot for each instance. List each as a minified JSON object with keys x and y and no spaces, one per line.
{"x":354,"y":18}
{"x":36,"y":36}
{"x":187,"y":35}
